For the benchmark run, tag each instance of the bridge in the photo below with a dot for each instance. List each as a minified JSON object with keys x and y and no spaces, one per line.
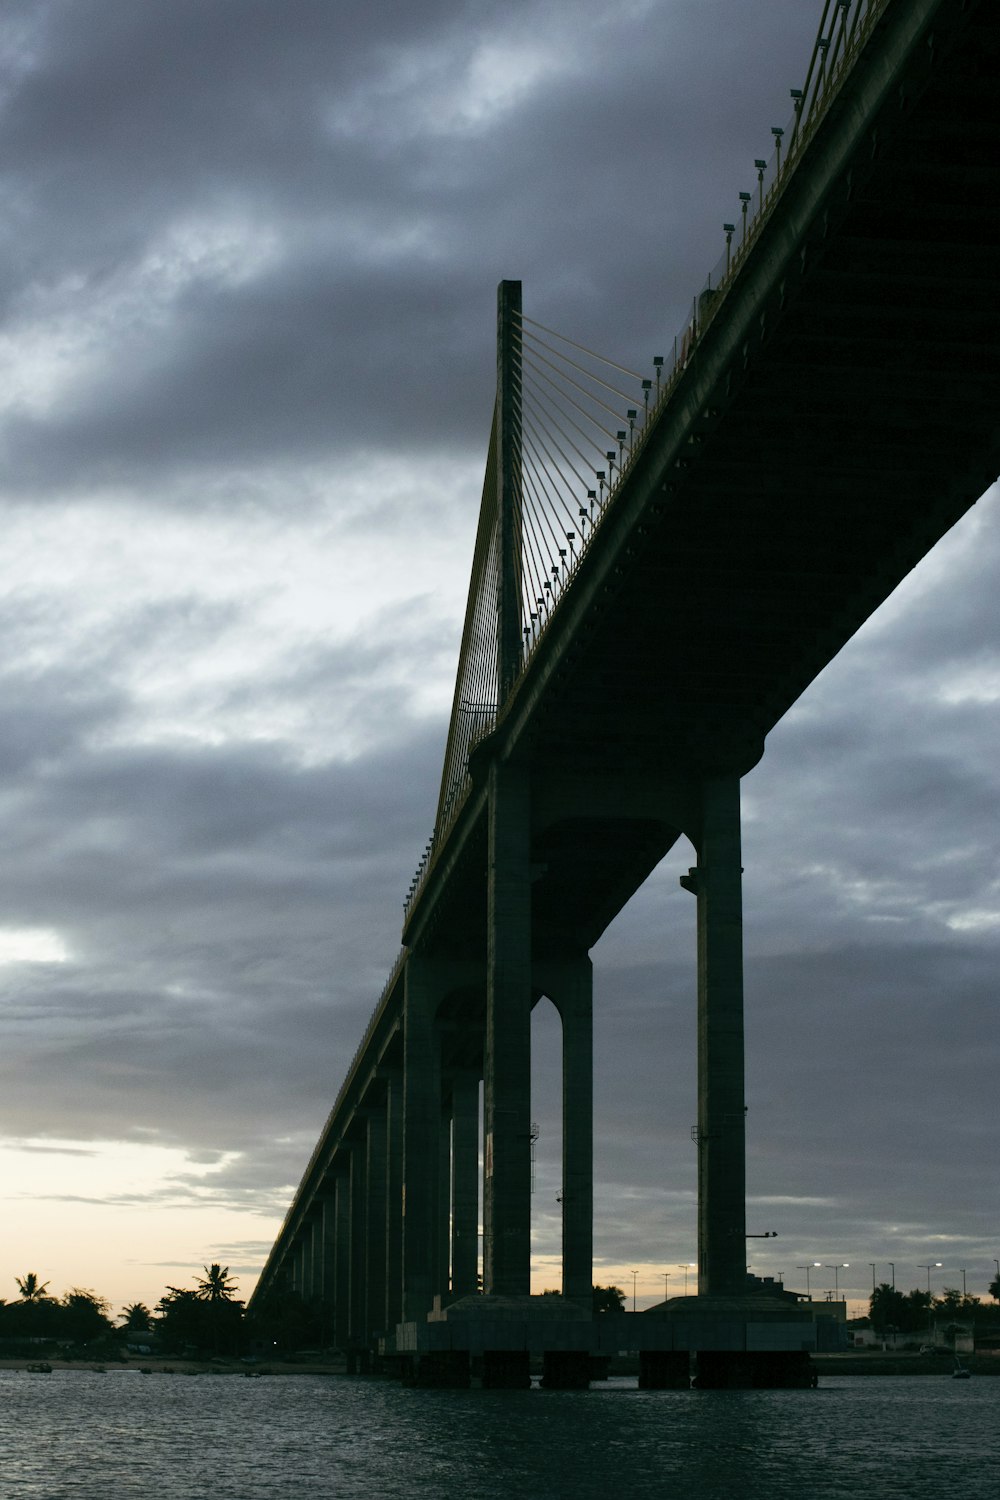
{"x":665,"y":561}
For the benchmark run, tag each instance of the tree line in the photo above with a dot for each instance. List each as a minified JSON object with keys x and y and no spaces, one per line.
{"x":892,"y":1311}
{"x":207,"y":1318}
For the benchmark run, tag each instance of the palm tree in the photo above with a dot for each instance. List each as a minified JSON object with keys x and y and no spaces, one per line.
{"x":216,"y":1285}
{"x":217,"y":1288}
{"x":30,"y":1288}
{"x":136,"y":1317}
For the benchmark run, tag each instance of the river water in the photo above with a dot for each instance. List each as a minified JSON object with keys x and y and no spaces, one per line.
{"x":87,"y":1436}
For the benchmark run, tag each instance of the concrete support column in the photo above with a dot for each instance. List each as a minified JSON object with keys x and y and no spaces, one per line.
{"x":342,"y":1270}
{"x":357,"y":1325}
{"x":421,"y":1125}
{"x":721,"y":1124}
{"x":375,"y":1222}
{"x":577,"y":1006}
{"x":394,"y":1201}
{"x":309,"y":1258}
{"x":328,"y":1260}
{"x":465,"y":1184}
{"x":507,"y":1167}
{"x":443,"y":1246}
{"x":305,"y":1247}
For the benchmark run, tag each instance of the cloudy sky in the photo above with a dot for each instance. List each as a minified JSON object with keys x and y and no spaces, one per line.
{"x":248,"y":258}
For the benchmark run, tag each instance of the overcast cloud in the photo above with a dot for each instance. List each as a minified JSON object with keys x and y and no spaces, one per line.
{"x":248,"y":257}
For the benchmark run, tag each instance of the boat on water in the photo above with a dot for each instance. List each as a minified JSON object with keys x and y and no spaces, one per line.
{"x":961,"y":1372}
{"x":40,"y":1367}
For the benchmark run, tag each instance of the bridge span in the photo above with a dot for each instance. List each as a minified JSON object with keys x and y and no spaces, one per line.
{"x":829,"y":413}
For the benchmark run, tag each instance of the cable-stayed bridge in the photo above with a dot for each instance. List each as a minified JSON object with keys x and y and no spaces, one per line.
{"x":666,"y":558}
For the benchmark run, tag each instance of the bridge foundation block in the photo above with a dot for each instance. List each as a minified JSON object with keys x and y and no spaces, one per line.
{"x":441,"y":1369}
{"x":758,"y":1370}
{"x":506,"y":1370}
{"x":664,"y":1370}
{"x":566,"y":1369}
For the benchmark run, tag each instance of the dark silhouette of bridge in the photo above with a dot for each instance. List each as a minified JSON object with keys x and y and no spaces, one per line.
{"x":663,"y":565}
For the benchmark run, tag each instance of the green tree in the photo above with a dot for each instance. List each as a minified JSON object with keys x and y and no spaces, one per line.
{"x":608,"y":1299}
{"x":30,"y":1288}
{"x":994,"y":1289}
{"x":183,"y":1319}
{"x":83,"y":1316}
{"x":216,"y":1285}
{"x":135,"y":1317}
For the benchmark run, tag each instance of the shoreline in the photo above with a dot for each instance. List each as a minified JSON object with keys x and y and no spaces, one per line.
{"x":904,"y":1364}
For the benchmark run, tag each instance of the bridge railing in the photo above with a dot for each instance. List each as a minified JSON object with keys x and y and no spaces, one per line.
{"x":584,"y":419}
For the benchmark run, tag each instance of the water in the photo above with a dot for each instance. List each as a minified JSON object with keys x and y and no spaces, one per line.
{"x":87,"y":1436}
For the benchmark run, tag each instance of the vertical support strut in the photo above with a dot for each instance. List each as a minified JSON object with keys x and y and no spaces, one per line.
{"x":717,"y":882}
{"x":342,"y":1274}
{"x":576,"y":1007}
{"x":375,"y":1229}
{"x":357,"y":1307}
{"x":394,"y":1201}
{"x":507,"y":1146}
{"x":465,"y":1183}
{"x":421,"y":1124}
{"x":509,"y":640}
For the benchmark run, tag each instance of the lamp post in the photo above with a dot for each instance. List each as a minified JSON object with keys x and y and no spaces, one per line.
{"x":892,"y":1268}
{"x":635,"y":1275}
{"x":935,"y":1266}
{"x":964,"y":1293}
{"x":836,"y":1276}
{"x":872,"y":1264}
{"x":807,"y":1269}
{"x":666,"y":1285}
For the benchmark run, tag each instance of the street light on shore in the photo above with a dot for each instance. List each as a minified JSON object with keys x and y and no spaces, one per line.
{"x":836,"y":1276}
{"x":807,"y":1269}
{"x":892,"y":1268}
{"x":935,"y":1266}
{"x":635,"y":1275}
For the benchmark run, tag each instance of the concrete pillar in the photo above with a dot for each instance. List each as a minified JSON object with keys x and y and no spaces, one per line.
{"x":375,"y":1222}
{"x":329,"y":1245}
{"x":342,"y":1273}
{"x":576,"y":1007}
{"x":721,"y":1124}
{"x":442,"y":1239}
{"x":357,"y":1322}
{"x":421,"y":1125}
{"x":507,"y":1166}
{"x":327,"y":1260}
{"x":465,"y":1183}
{"x":569,"y":984}
{"x":394,"y":1201}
